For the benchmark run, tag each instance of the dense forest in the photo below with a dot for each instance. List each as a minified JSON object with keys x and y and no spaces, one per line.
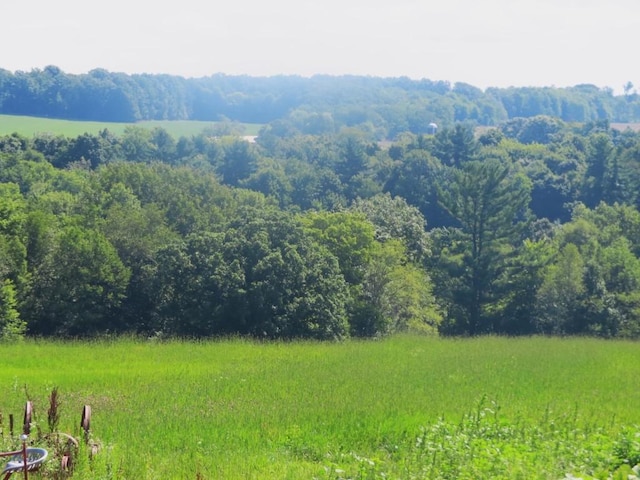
{"x":385,"y":107}
{"x":529,"y":227}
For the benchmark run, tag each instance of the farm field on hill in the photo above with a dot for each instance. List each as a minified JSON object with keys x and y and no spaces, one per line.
{"x":30,"y":126}
{"x":634,"y":127}
{"x":404,"y":407}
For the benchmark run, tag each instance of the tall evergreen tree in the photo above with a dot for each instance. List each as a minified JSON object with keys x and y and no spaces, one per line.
{"x":598,"y":186}
{"x":491,"y":208}
{"x":455,"y":146}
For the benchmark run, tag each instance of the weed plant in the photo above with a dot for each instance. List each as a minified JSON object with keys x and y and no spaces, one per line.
{"x":405,"y":407}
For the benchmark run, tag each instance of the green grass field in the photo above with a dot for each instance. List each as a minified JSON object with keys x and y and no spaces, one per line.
{"x":29,"y":126}
{"x":405,"y":407}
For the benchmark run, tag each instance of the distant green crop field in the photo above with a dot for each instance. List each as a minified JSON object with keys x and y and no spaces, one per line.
{"x":29,"y":126}
{"x":407,"y":407}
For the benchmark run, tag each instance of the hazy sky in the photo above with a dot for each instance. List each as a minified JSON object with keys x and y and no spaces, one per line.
{"x":481,"y":42}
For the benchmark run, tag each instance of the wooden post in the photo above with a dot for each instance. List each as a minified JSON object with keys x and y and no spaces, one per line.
{"x":24,"y":457}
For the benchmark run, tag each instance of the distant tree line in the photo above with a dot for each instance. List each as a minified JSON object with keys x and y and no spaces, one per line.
{"x":532,"y":227}
{"x":321,"y":104}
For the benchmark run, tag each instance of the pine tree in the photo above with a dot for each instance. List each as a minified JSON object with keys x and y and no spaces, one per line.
{"x":490,"y":206}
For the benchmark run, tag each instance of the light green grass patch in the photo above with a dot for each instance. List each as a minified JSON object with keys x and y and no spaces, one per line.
{"x":30,"y":126}
{"x":242,"y":409}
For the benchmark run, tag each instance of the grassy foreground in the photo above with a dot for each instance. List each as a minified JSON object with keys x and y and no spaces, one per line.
{"x":30,"y":126}
{"x":406,"y":407}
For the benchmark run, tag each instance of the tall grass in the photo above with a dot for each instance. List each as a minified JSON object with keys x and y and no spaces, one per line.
{"x":404,"y":407}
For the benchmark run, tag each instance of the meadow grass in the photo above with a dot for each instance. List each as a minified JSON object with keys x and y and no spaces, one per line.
{"x":403,"y":407}
{"x":30,"y":126}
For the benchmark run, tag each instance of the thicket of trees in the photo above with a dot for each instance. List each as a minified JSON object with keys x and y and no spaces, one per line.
{"x":384,"y":107}
{"x":532,"y":227}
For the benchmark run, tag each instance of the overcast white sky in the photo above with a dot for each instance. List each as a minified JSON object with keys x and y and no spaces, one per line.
{"x":481,"y":42}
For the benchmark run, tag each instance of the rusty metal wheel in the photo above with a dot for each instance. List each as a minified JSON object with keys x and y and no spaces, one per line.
{"x":65,"y":446}
{"x":28,"y":414}
{"x":66,"y":462}
{"x":85,"y":422}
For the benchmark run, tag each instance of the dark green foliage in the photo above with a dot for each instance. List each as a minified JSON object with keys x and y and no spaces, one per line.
{"x":384,"y":107}
{"x":602,"y":174}
{"x":415,"y":177}
{"x":292,"y":236}
{"x":539,"y":129}
{"x":271,"y":179}
{"x":490,"y":205}
{"x":238,"y":163}
{"x":455,"y":146}
{"x":581,"y":103}
{"x":352,"y":159}
{"x":94,"y":149}
{"x":261,"y":277}
{"x":77,"y":287}
{"x":592,"y":284}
